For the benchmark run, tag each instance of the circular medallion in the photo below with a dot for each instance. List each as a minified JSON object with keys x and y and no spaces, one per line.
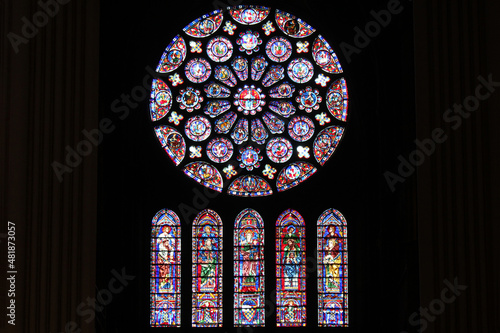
{"x":163,"y":98}
{"x":198,"y":128}
{"x":323,"y":58}
{"x":300,"y":70}
{"x":249,"y":99}
{"x":279,"y":150}
{"x":292,"y":172}
{"x":279,"y":49}
{"x":198,"y":70}
{"x":220,"y":49}
{"x":220,"y":150}
{"x":301,"y":128}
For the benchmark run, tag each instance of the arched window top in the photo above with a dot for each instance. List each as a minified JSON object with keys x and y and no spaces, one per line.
{"x":332,"y":217}
{"x":248,"y":218}
{"x":290,"y":217}
{"x":259,"y":97}
{"x":207,"y":216}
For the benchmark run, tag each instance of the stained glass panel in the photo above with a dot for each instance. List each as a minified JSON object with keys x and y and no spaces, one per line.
{"x":165,"y":286}
{"x":290,"y":269}
{"x":249,"y":303}
{"x":207,"y":270}
{"x":332,"y":270}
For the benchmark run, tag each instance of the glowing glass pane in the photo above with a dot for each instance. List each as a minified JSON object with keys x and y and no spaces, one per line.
{"x":332,"y":270}
{"x":290,"y":270}
{"x":207,"y":270}
{"x":249,"y":302}
{"x":165,"y":270}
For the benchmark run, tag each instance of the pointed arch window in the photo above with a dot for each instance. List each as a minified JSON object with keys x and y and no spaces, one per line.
{"x":249,"y":303}
{"x":332,"y":270}
{"x":165,"y":285}
{"x":290,"y":269}
{"x":207,"y":270}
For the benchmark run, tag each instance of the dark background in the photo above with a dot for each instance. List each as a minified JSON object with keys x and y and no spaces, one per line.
{"x":137,"y":178}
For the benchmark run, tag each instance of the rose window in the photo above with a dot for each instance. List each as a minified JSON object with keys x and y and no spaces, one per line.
{"x":249,"y":101}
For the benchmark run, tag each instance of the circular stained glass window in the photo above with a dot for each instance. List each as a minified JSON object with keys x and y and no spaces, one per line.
{"x":250,"y":101}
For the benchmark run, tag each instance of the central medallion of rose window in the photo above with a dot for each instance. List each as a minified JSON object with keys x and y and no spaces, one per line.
{"x":249,"y":100}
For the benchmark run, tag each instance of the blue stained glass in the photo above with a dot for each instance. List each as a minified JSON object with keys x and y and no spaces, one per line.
{"x":332,"y":270}
{"x":290,"y":269}
{"x":165,"y":284}
{"x":207,"y":270}
{"x":249,"y":304}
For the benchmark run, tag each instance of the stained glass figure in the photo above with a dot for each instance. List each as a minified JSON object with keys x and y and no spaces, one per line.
{"x":174,"y":55}
{"x":173,"y":143}
{"x":290,"y":270}
{"x":332,"y":270}
{"x":293,"y":26}
{"x":249,"y":100}
{"x":284,"y":90}
{"x":300,"y":70}
{"x":215,"y":90}
{"x":250,"y":186}
{"x":276,"y":87}
{"x":165,"y":283}
{"x":249,"y":303}
{"x":220,"y":49}
{"x":337,"y":98}
{"x":301,"y":128}
{"x":240,"y":66}
{"x":259,"y":65}
{"x":275,"y":74}
{"x":250,"y":158}
{"x":198,"y":70}
{"x":279,"y":49}
{"x":220,"y":150}
{"x":284,"y":109}
{"x":224,"y":75}
{"x":224,"y":123}
{"x":249,"y":41}
{"x":326,"y":142}
{"x":294,"y":174}
{"x":205,"y":174}
{"x":205,"y":25}
{"x":207,"y":270}
{"x":309,"y":99}
{"x":325,"y":57}
{"x":259,"y":133}
{"x":275,"y":125}
{"x":240,"y":132}
{"x":198,"y":128}
{"x":160,"y":101}
{"x":189,"y":99}
{"x":215,"y":108}
{"x":249,"y":15}
{"x":279,"y":150}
